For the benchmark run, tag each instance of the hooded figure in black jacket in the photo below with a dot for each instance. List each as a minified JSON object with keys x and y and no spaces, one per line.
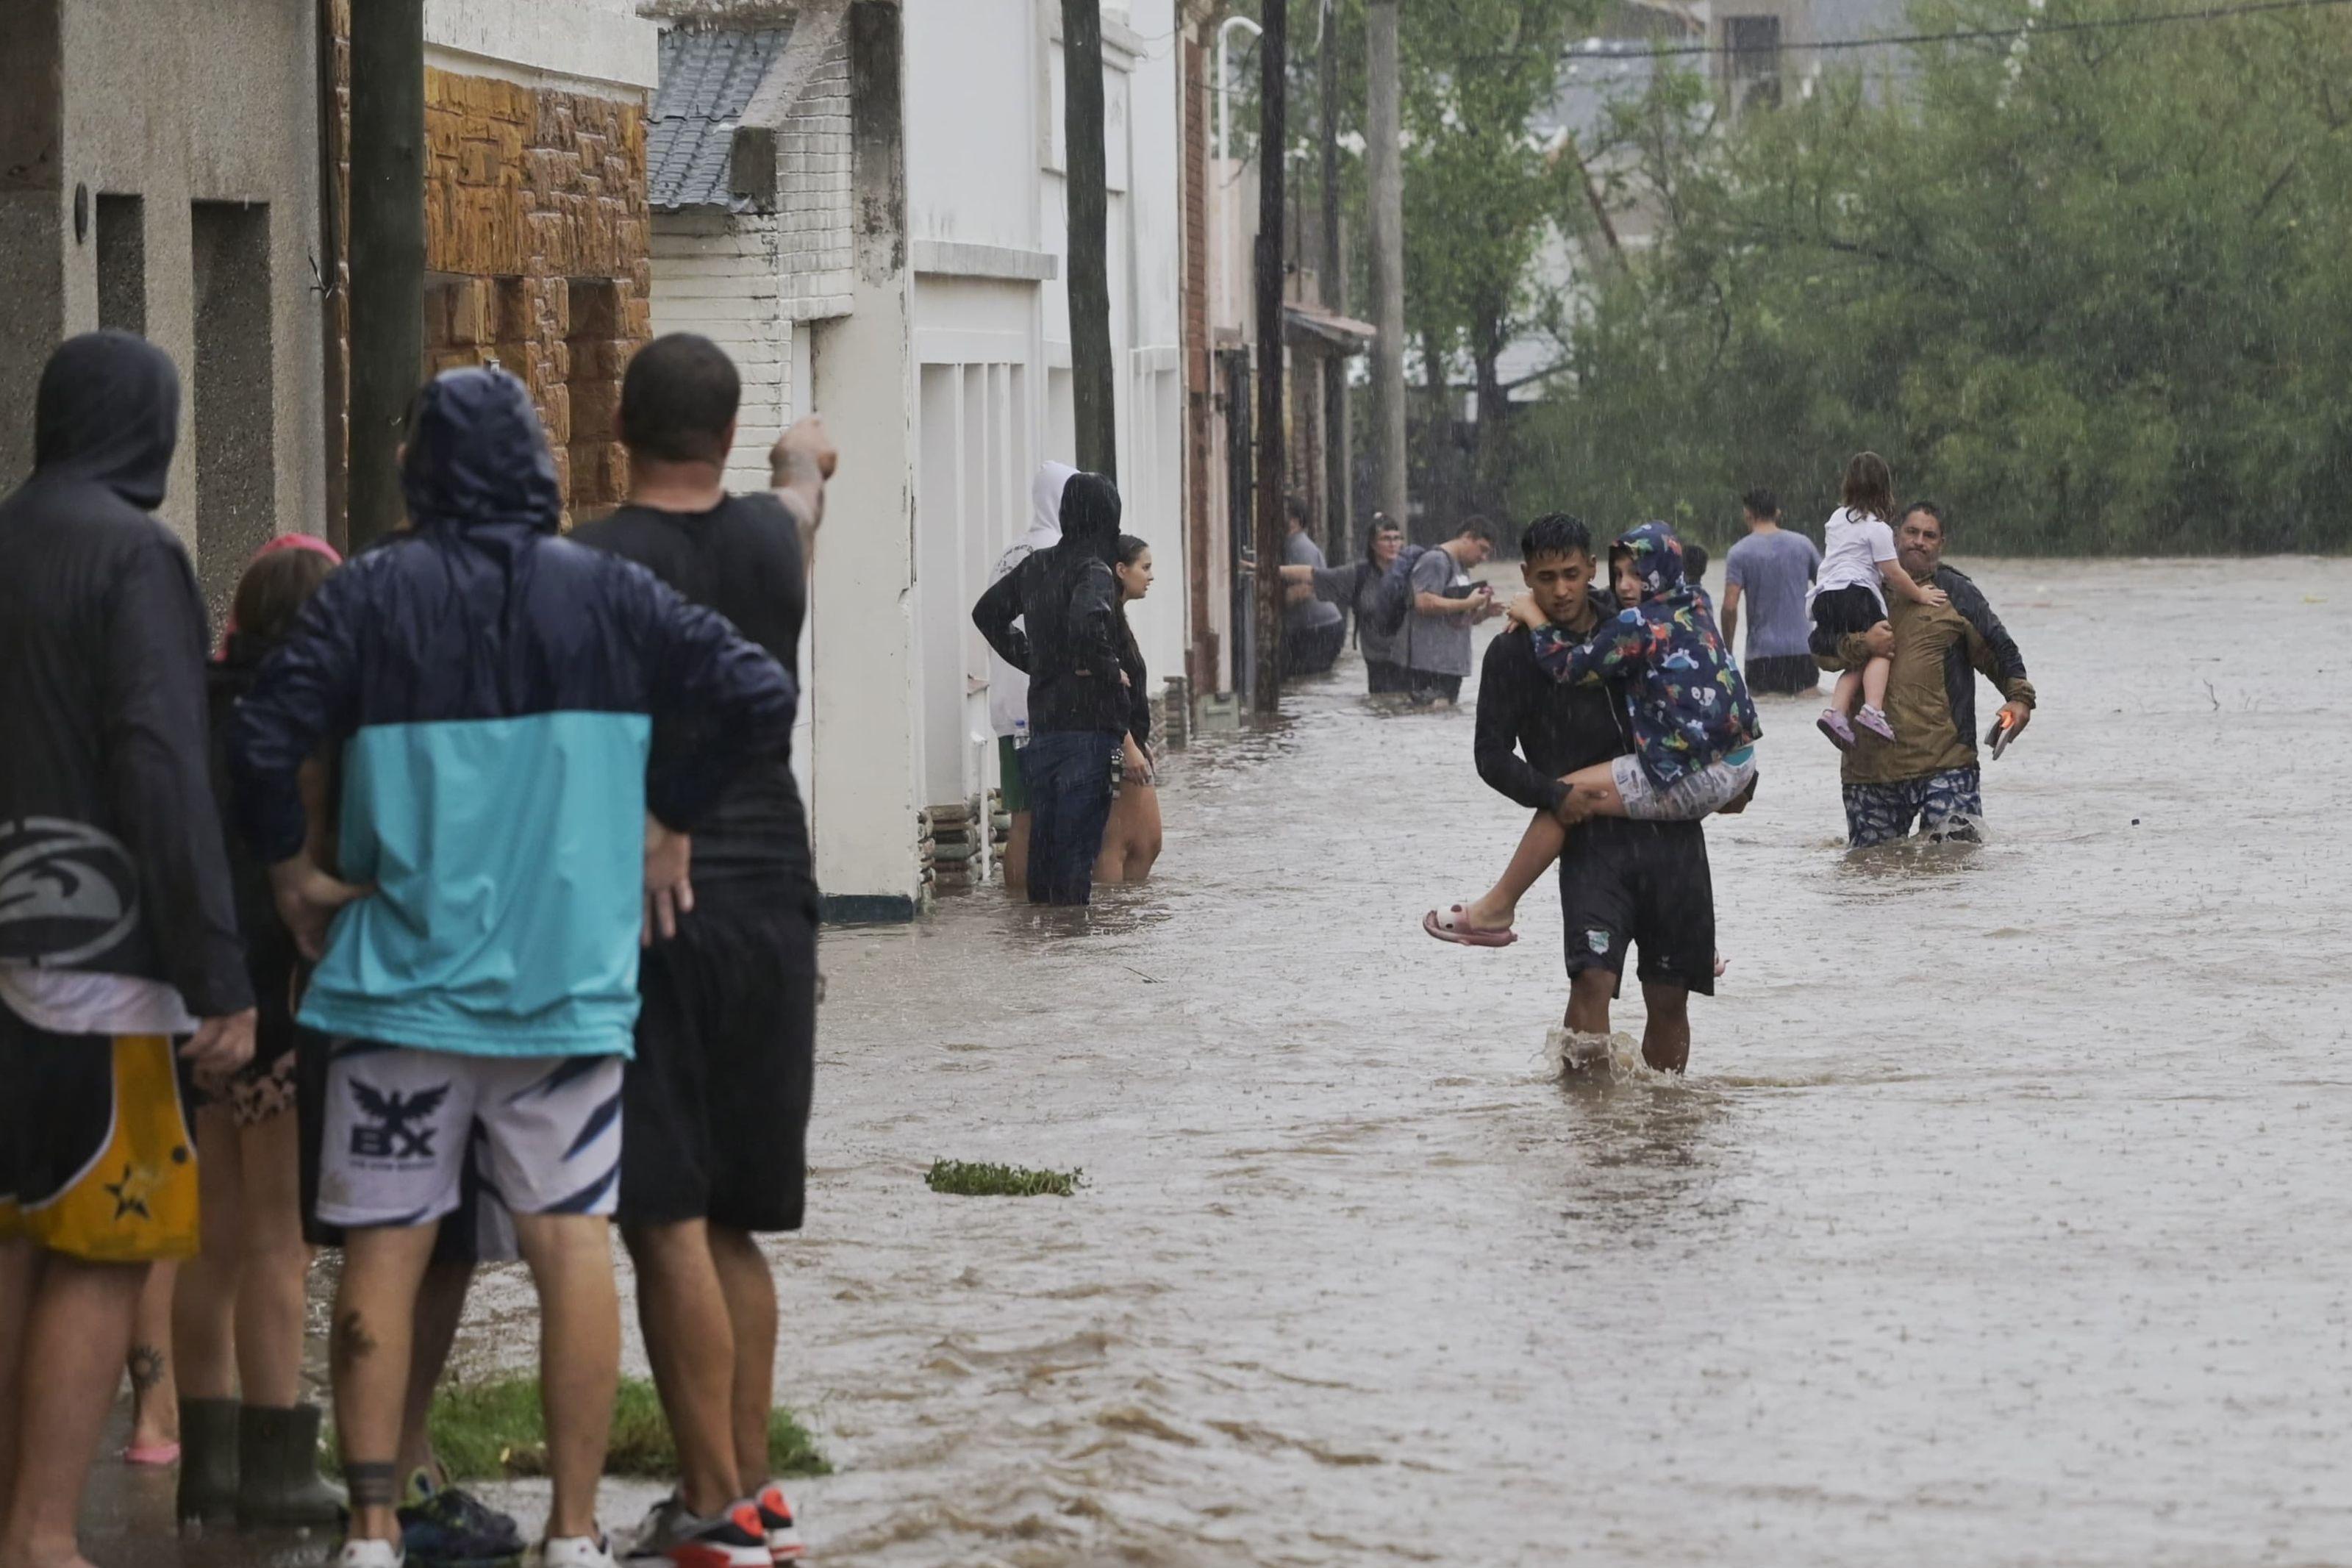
{"x":1067,"y":601}
{"x":117,"y":927}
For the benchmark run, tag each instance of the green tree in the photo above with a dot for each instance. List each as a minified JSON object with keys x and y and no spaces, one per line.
{"x":1482,"y":193}
{"x":2088,"y":291}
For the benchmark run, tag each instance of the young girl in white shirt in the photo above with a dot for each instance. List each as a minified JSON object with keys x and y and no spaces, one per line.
{"x":1858,"y":570}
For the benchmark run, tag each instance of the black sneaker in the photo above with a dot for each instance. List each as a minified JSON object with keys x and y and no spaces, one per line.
{"x":732,"y":1539}
{"x":446,"y":1527}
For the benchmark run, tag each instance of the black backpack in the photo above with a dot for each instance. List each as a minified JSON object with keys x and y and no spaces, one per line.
{"x":1395,"y":603}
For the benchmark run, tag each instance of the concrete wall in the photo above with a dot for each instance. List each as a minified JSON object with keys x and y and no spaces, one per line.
{"x":181,"y":101}
{"x":599,"y":44}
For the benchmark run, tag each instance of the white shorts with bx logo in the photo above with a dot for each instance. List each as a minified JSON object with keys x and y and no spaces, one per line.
{"x":399,"y":1120}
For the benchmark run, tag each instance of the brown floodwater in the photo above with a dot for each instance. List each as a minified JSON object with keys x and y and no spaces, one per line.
{"x":1999,"y":1220}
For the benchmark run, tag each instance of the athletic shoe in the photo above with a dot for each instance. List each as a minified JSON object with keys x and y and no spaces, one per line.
{"x":733,"y":1539}
{"x":1871,"y":719}
{"x":576,"y":1551}
{"x":369,"y":1555}
{"x":783,"y":1530}
{"x":1833,"y":724}
{"x":446,"y":1527}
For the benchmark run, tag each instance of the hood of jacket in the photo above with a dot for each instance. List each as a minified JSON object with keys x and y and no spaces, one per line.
{"x":1657,"y":559}
{"x":1045,"y":492}
{"x":477,"y":456}
{"x":107,"y":412}
{"x":1090,"y":508}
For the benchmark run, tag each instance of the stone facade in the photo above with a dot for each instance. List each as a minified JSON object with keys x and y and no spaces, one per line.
{"x":536,"y":225}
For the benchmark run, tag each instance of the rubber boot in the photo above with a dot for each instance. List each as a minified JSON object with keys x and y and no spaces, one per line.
{"x":278,"y":1469}
{"x":208,"y":1445}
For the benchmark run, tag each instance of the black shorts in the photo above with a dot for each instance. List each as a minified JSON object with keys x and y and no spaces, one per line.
{"x":715,"y":1107}
{"x":1646,"y":885}
{"x":96,"y":1158}
{"x":1384,"y":676}
{"x":1782,"y":675}
{"x":1311,"y":650}
{"x":1846,"y":611}
{"x":1429,"y":688}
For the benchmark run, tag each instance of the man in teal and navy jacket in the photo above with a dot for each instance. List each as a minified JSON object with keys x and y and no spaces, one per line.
{"x":492,"y":689}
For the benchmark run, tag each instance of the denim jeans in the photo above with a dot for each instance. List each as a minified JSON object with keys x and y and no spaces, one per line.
{"x":1067,"y":774}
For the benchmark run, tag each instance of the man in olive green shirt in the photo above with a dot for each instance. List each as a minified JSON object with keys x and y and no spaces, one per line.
{"x":1929,"y":774}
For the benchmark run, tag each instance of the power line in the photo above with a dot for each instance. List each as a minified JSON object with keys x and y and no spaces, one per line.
{"x":2037,"y":25}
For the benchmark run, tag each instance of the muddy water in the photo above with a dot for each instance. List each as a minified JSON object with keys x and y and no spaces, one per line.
{"x":1999,"y":1221}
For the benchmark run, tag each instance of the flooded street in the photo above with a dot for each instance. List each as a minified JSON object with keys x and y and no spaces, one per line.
{"x":1999,"y":1220}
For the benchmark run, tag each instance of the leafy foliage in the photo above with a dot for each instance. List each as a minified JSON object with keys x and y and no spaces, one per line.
{"x":495,"y":1427}
{"x":2088,"y":291}
{"x":965,"y":1179}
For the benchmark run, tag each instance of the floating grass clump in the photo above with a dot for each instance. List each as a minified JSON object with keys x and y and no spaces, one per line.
{"x":968,"y":1178}
{"x":495,"y":1428}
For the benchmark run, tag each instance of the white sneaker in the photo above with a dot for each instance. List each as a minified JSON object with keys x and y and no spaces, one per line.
{"x":576,"y":1551}
{"x":371,"y":1554}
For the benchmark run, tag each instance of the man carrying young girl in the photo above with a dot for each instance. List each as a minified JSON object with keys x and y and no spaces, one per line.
{"x":1627,"y":879}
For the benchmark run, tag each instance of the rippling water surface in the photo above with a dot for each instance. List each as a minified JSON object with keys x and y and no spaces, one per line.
{"x":2001,"y":1219}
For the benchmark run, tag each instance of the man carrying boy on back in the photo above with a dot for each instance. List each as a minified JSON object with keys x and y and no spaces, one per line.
{"x":1623,"y":882}
{"x":493,"y":689}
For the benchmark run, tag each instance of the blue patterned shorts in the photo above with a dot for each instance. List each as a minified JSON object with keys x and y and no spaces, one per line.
{"x":1947,"y":805}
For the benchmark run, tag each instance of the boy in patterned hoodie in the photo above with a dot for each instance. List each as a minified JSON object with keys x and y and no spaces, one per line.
{"x":1693,"y":724}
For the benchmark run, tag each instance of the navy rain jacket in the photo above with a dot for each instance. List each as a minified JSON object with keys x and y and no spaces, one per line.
{"x":493,"y":689}
{"x":110,"y":854}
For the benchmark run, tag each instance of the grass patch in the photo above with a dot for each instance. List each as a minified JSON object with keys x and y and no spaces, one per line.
{"x":967,"y":1178}
{"x":494,"y":1429}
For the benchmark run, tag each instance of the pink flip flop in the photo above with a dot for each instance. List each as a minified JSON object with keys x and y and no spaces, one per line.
{"x":1451,"y":927}
{"x":1833,"y":724}
{"x":154,"y":1454}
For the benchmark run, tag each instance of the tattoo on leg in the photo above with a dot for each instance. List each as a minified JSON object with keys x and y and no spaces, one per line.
{"x":146,"y":1367}
{"x":352,"y":1341}
{"x":371,"y":1484}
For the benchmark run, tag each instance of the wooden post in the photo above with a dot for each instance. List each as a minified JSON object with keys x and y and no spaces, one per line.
{"x":1274,"y":66}
{"x":1338,"y":510}
{"x":1093,"y":382}
{"x":1385,"y":169}
{"x":387,"y":250}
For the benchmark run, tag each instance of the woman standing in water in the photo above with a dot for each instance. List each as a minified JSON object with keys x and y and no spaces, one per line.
{"x":1131,"y":841}
{"x":1357,"y":588}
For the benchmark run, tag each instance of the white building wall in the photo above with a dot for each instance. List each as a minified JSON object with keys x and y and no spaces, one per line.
{"x":988,"y":224}
{"x":723,"y":276}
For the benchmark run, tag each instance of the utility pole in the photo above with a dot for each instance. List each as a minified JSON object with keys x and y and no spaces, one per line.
{"x":1273,"y":142}
{"x":1339,"y":513}
{"x":387,"y":250}
{"x":1384,"y":169}
{"x":1092,"y":383}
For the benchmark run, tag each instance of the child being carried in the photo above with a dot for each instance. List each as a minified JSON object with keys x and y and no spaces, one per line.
{"x":1694,"y":726}
{"x":1858,"y":570}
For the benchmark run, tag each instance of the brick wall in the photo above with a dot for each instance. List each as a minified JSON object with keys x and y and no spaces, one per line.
{"x":722,"y":275}
{"x":535,"y":221}
{"x":813,"y":175}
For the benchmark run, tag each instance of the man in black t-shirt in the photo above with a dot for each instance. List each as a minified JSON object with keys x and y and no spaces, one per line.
{"x":1623,"y":884}
{"x":715,"y":1106}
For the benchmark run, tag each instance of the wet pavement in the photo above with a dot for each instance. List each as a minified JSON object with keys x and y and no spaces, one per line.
{"x":1997,"y":1222}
